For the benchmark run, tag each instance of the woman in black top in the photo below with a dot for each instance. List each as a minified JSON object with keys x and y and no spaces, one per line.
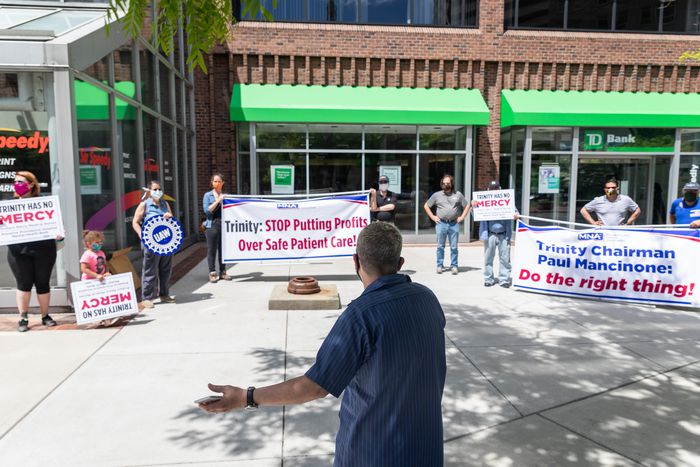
{"x":212,"y":204}
{"x":32,"y":262}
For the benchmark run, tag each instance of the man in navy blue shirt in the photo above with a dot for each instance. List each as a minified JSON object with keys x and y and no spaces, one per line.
{"x":386,"y":354}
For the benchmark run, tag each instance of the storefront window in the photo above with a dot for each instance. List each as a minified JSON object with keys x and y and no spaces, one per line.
{"x":126,"y":127}
{"x":335,"y":172}
{"x":511,"y":160}
{"x":442,"y":138}
{"x":335,"y":137}
{"x":295,"y":160}
{"x":552,"y":139}
{"x":432,"y":168}
{"x":549,"y":186}
{"x":280,"y":136}
{"x":148,"y":87}
{"x":168,"y":180}
{"x":99,"y":70}
{"x":180,"y":207}
{"x":400,"y":169}
{"x":390,"y":137}
{"x":690,"y":140}
{"x":150,"y":148}
{"x":165,"y":97}
{"x":689,"y":171}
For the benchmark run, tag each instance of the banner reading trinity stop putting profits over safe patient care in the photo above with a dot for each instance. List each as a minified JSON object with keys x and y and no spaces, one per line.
{"x":264,"y":229}
{"x":636,"y":265}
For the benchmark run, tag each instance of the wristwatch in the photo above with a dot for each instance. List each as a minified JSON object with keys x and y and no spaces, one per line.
{"x":250,"y":402}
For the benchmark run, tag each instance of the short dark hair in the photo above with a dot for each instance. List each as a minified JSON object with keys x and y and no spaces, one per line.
{"x":379,"y":248}
{"x":217,"y":174}
{"x":452,"y":179}
{"x":612,"y":180}
{"x":157,"y":182}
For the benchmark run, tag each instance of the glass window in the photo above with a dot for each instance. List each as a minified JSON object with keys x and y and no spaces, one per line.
{"x":243,"y":133}
{"x":148,"y":87}
{"x":168,"y":181}
{"x":540,"y":13}
{"x":335,"y":137}
{"x":342,"y":11}
{"x":583,"y":15}
{"x":123,"y":63}
{"x":552,"y":139}
{"x":432,"y":168}
{"x":442,"y":13}
{"x":442,"y":138}
{"x":689,"y":171}
{"x":681,"y":16}
{"x":178,"y":102}
{"x":637,"y":15}
{"x":97,"y":191}
{"x":182,"y":173}
{"x":384,"y":11}
{"x":335,"y":172}
{"x":99,"y":70}
{"x":627,"y":139}
{"x":549,"y":186}
{"x":62,"y":21}
{"x":11,"y":16}
{"x":126,"y":128}
{"x":150,"y":148}
{"x":690,"y":140}
{"x":394,"y":137}
{"x":403,"y":165}
{"x":280,"y":136}
{"x":265,"y":160}
{"x":165,"y":97}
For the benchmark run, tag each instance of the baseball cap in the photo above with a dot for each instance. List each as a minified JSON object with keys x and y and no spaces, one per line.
{"x":493,"y":185}
{"x":691,"y":186}
{"x":383,"y":179}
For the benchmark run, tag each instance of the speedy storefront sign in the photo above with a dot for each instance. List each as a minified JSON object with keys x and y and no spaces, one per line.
{"x":265,"y":229}
{"x":24,"y":150}
{"x":635,"y":265}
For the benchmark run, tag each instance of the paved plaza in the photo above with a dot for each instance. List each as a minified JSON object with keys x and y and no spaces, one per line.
{"x":532,"y":380}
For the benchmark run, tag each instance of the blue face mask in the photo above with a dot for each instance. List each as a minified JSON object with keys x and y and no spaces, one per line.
{"x":96,"y":246}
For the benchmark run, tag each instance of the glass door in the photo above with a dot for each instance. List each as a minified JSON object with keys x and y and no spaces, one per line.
{"x":642,"y":178}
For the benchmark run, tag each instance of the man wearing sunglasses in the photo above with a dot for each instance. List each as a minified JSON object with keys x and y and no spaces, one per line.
{"x":612,"y":208}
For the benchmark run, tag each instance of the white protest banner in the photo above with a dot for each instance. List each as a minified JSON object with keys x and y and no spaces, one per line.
{"x":493,"y":205}
{"x":265,"y":229}
{"x":30,"y":219}
{"x":635,"y":265}
{"x":95,"y":300}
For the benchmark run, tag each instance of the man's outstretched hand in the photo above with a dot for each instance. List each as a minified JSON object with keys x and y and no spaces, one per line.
{"x":232,"y":398}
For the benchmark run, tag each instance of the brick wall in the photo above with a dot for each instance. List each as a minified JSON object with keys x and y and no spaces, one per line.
{"x":489,"y":59}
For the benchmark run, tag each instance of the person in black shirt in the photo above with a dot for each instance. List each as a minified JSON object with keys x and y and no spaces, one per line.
{"x":383,"y":202}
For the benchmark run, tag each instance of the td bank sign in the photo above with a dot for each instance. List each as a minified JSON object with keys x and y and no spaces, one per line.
{"x":628,"y":140}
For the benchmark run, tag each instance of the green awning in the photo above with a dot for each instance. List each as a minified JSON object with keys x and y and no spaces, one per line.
{"x":599,"y":109}
{"x":355,"y":105}
{"x":92,"y":103}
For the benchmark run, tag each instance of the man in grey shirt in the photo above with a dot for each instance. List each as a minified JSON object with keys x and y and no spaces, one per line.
{"x":612,"y":208}
{"x":452,"y":209}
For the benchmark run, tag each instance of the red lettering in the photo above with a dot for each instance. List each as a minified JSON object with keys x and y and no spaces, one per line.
{"x":123,"y":297}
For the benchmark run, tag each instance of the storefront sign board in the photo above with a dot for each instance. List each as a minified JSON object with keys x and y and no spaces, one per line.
{"x":267,"y":229}
{"x":549,"y":179}
{"x":282,"y":179}
{"x":90,"y":180}
{"x":493,"y":205}
{"x":95,"y":300}
{"x":627,"y":139}
{"x":30,"y":220}
{"x":634,"y":265}
{"x":23,"y":150}
{"x":393,"y":173}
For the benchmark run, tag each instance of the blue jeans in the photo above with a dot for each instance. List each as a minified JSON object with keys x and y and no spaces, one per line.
{"x":497,"y":241}
{"x":446,"y":230}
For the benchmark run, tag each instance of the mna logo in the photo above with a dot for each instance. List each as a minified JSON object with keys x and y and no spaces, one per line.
{"x":593,"y":140}
{"x":590,"y":236}
{"x":287,"y":206}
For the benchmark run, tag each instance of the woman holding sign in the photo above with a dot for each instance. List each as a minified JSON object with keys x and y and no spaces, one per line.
{"x":32,"y":262}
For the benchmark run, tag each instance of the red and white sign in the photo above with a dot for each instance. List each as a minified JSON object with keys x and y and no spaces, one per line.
{"x":30,"y":219}
{"x":493,"y":205}
{"x":95,"y":300}
{"x":264,"y":229}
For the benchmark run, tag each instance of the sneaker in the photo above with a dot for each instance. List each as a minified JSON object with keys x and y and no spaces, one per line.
{"x":167,"y":299}
{"x":23,"y":325}
{"x":224,"y":277}
{"x":505,"y":285}
{"x":439,"y":270}
{"x":213,"y":277}
{"x":489,"y":284}
{"x":454,"y":270}
{"x":48,"y":321}
{"x":147,"y":304}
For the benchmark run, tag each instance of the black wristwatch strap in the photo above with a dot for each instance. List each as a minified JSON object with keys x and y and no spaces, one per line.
{"x":250,"y":401}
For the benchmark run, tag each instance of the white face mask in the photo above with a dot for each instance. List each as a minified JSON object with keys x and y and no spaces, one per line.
{"x":383,"y":186}
{"x":156,"y":194}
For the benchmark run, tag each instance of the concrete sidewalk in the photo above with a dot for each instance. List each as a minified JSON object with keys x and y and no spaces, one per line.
{"x":532,"y":379}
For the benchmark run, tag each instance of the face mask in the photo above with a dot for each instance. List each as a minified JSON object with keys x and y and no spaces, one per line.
{"x":21,"y":188}
{"x":690,"y":197}
{"x":383,"y":186}
{"x":156,"y":194}
{"x":96,"y":246}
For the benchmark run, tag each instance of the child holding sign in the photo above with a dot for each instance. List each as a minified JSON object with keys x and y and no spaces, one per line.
{"x":93,"y":263}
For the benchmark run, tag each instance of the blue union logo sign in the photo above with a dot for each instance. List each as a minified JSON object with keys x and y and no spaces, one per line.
{"x":162,"y":236}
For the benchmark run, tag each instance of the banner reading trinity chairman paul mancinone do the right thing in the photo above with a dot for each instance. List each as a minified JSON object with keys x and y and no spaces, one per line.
{"x":658,"y":266}
{"x":264,"y":229}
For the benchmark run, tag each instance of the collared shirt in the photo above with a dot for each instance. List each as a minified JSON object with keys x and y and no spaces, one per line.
{"x":386,"y":216}
{"x":387,"y":352}
{"x":685,"y":214}
{"x":208,"y":199}
{"x":449,"y":207}
{"x":612,"y":212}
{"x":152,"y":209}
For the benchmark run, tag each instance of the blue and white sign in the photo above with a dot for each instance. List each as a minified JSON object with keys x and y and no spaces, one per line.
{"x":162,"y":236}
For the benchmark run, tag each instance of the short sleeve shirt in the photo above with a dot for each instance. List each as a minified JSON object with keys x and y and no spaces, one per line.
{"x":449,"y":207}
{"x":96,"y":261}
{"x":386,"y":216}
{"x":685,"y":214}
{"x":612,"y":212}
{"x":387,"y":353}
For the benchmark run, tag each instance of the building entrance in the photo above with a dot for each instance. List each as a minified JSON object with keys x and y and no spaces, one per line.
{"x":643,"y":178}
